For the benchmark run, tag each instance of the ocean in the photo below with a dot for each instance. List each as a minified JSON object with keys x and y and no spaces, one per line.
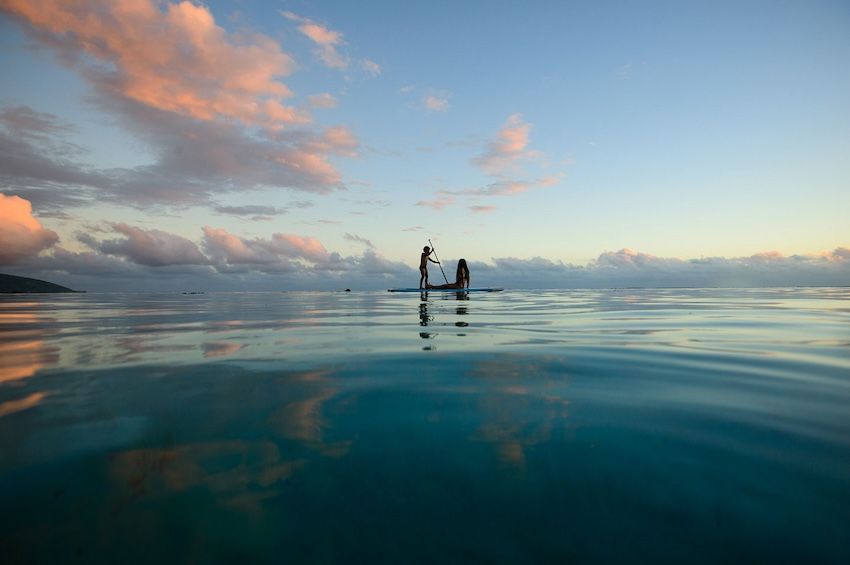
{"x":595,"y":426}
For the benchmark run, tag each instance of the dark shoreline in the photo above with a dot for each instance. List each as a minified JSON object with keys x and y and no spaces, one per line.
{"x":12,"y":284}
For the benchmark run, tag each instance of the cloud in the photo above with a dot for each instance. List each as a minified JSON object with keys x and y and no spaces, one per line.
{"x":23,"y":122}
{"x":328,"y":43}
{"x":439,"y":203}
{"x":38,"y":162}
{"x":303,"y":263}
{"x":276,"y":254}
{"x":308,"y":248}
{"x":631,"y":259}
{"x":21,"y":234}
{"x":508,"y":148}
{"x":175,"y":59}
{"x":253,"y":212}
{"x":86,"y":263}
{"x":193,"y":161}
{"x":436,"y":103}
{"x":358,"y":239}
{"x":479,"y":209}
{"x":208,"y":104}
{"x":230,"y":249}
{"x":371,"y":67}
{"x":300,"y":257}
{"x":154,"y":248}
{"x":323,"y":100}
{"x":326,"y":39}
{"x":630,"y":268}
{"x":502,"y":159}
{"x":512,"y":187}
{"x":337,"y":140}
{"x":142,"y":259}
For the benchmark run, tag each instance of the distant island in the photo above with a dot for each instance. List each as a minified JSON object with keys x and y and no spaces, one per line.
{"x":10,"y":284}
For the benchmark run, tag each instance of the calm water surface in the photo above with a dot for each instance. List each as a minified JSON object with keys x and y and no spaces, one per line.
{"x":565,"y":426}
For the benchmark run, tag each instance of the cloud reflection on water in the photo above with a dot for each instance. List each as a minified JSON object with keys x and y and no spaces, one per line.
{"x":220,"y":348}
{"x":12,"y":406}
{"x":303,"y":431}
{"x":22,"y":359}
{"x":23,"y":346}
{"x":522,"y":403}
{"x":239,"y":474}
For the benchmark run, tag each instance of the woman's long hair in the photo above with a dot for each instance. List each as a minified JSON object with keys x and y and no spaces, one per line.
{"x":462,"y":274}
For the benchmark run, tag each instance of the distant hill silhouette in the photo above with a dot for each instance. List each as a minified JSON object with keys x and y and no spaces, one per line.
{"x":11,"y":284}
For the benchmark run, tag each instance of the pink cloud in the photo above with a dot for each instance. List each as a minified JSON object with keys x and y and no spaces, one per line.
{"x":512,"y":187}
{"x":309,"y":156}
{"x":439,"y":203}
{"x":323,"y":100}
{"x":337,"y":140}
{"x":21,"y":234}
{"x":327,"y":41}
{"x":281,"y":249}
{"x":310,"y":163}
{"x":482,"y":209}
{"x":291,"y":245}
{"x":173,"y":58}
{"x":321,"y":34}
{"x":437,"y":103}
{"x":509,"y":147}
{"x":154,"y":248}
{"x":233,"y":249}
{"x":501,"y":160}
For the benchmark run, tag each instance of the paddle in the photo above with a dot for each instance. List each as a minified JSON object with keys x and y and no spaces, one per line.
{"x":437,"y":258}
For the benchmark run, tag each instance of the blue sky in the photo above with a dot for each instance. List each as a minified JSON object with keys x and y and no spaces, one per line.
{"x":503,"y":131}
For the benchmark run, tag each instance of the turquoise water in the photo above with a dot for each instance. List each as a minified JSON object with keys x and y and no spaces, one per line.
{"x":645,"y":426}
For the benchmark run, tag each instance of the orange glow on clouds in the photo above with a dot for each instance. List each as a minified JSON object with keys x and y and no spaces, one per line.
{"x":509,"y":147}
{"x":513,"y":138}
{"x":176,"y":60}
{"x":21,"y":234}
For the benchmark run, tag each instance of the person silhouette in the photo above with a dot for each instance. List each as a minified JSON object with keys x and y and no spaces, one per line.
{"x":461,"y":278}
{"x":423,"y":266}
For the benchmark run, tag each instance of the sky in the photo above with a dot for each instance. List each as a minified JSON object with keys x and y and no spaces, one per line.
{"x":257,"y":145}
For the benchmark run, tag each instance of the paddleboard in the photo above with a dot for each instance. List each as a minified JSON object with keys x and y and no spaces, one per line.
{"x":445,"y":289}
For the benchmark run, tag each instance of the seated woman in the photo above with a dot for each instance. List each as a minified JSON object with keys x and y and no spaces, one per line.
{"x":461,"y":278}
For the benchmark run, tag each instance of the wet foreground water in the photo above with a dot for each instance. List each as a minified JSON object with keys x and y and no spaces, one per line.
{"x":568,"y":426}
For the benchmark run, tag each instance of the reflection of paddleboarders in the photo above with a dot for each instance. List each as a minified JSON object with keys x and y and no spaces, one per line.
{"x":461,"y":277}
{"x":423,"y":266}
